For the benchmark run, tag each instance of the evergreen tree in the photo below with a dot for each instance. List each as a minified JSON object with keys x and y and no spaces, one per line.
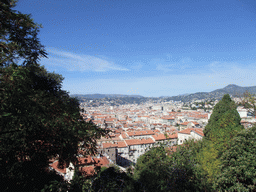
{"x":223,"y":124}
{"x":226,"y":104}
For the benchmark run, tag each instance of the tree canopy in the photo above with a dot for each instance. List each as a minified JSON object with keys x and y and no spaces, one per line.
{"x":179,"y":171}
{"x":226,"y":104}
{"x":238,"y":169}
{"x":38,"y":120}
{"x":18,"y":34}
{"x":151,"y":170}
{"x":223,"y":124}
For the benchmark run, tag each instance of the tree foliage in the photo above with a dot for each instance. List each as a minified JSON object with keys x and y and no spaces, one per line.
{"x":151,"y":170}
{"x":37,"y":123}
{"x":223,"y":124}
{"x":226,"y":104}
{"x":18,"y":36}
{"x":209,"y":162}
{"x":110,"y":179}
{"x":38,"y":120}
{"x":238,"y":168}
{"x":179,"y":171}
{"x":228,"y":127}
{"x":187,"y":173}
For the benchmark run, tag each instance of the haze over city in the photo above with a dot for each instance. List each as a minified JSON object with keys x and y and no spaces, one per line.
{"x":148,"y":48}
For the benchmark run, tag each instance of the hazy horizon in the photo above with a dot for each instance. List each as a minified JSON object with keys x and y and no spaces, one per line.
{"x":155,"y":96}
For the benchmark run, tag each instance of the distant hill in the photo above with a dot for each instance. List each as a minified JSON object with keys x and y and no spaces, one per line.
{"x":101,"y":96}
{"x":233,"y":90}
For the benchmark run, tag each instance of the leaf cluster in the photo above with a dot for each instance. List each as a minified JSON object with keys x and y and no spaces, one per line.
{"x":18,"y":36}
{"x":238,"y":169}
{"x":226,"y":104}
{"x":39,"y":121}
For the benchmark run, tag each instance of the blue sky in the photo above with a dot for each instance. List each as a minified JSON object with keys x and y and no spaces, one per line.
{"x":149,"y":48}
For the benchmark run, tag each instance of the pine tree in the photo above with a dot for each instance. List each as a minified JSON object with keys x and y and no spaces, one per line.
{"x":223,"y":126}
{"x":224,"y":116}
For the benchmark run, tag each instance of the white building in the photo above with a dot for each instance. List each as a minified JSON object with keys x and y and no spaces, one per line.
{"x":242,"y":112}
{"x":190,"y":133}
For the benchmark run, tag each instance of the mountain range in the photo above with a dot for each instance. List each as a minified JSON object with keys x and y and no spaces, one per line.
{"x":232,"y":90}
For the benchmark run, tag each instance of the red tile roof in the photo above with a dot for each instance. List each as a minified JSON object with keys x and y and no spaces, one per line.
{"x":108,"y":145}
{"x":160,"y":137}
{"x":87,"y":171}
{"x":185,"y":123}
{"x":188,"y":130}
{"x":124,"y":136}
{"x":54,"y":165}
{"x":147,"y":141}
{"x":139,"y":141}
{"x":121,"y":144}
{"x":144,"y":132}
{"x":85,"y":160}
{"x":199,"y":131}
{"x":101,"y":161}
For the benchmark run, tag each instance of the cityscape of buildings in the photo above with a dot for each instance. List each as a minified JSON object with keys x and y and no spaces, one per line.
{"x":135,"y":128}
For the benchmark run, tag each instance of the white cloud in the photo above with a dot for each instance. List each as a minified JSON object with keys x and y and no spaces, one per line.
{"x":213,"y":77}
{"x":233,"y":71}
{"x":80,"y":62}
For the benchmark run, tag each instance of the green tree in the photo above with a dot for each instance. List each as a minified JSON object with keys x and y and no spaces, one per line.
{"x":38,"y":120}
{"x":179,"y":171}
{"x":151,"y":170}
{"x":36,"y":124}
{"x":186,"y":172}
{"x":226,"y":128}
{"x":226,"y":104}
{"x":223,"y":124}
{"x":18,"y":36}
{"x":110,"y":179}
{"x":238,"y":164}
{"x":209,"y":162}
